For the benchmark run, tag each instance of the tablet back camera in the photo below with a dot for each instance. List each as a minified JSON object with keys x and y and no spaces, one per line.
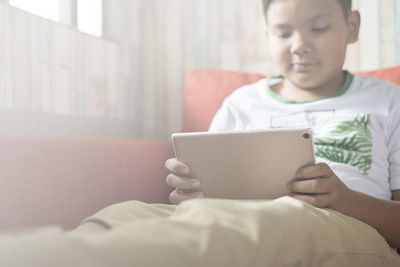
{"x":306,"y":135}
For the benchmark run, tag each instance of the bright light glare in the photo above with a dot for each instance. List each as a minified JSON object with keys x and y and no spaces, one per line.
{"x":90,"y":16}
{"x":49,"y":9}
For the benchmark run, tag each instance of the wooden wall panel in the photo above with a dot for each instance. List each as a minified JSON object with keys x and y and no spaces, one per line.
{"x":52,"y":68}
{"x":172,"y":68}
{"x":3,"y":58}
{"x":387,"y":33}
{"x":51,"y":72}
{"x":370,"y":45}
{"x":397,"y":18}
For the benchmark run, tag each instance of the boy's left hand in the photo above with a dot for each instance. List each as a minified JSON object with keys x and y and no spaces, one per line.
{"x":318,"y":185}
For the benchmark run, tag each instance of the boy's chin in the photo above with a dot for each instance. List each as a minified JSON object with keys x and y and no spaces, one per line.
{"x":305,"y":81}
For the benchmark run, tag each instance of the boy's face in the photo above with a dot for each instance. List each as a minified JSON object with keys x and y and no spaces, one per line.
{"x":308,"y":39}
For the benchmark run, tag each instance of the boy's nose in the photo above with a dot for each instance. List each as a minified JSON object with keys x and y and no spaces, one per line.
{"x":300,"y":45}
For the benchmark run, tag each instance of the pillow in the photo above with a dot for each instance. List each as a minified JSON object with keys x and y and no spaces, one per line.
{"x":205,"y":90}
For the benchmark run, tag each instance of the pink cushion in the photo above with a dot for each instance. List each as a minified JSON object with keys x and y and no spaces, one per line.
{"x":388,"y":74}
{"x":61,"y":181}
{"x":205,"y":91}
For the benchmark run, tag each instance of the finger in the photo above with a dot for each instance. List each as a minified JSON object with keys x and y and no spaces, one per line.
{"x":182,"y":183}
{"x":315,"y":170}
{"x":177,"y":167}
{"x":311,"y":186}
{"x":319,"y":200}
{"x":177,"y":196}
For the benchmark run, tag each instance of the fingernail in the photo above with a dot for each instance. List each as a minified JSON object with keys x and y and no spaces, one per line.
{"x":185,"y":169}
{"x":196,"y":183}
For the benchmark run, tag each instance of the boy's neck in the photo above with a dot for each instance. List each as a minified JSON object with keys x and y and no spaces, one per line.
{"x":290,"y":91}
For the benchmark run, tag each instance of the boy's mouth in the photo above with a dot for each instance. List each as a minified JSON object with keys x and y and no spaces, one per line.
{"x":303,"y":66}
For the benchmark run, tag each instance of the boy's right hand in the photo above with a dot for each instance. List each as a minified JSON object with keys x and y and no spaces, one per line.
{"x":185,"y":187}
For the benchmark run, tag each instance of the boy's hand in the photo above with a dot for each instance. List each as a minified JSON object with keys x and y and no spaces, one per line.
{"x":319,"y":186}
{"x":185,"y":187}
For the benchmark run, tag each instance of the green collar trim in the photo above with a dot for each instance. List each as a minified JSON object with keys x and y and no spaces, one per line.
{"x":343,"y":89}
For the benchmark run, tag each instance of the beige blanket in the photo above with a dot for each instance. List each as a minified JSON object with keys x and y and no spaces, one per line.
{"x":204,"y":232}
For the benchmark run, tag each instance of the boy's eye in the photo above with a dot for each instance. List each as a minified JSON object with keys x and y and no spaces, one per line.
{"x":321,"y":29}
{"x":283,"y":35}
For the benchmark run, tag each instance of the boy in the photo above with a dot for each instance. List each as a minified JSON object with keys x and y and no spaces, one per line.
{"x":308,"y":40}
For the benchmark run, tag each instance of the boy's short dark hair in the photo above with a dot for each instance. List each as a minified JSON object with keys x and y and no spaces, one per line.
{"x":345,"y":4}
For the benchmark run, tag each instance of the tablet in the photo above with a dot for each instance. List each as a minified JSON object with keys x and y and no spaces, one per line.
{"x":246,"y":164}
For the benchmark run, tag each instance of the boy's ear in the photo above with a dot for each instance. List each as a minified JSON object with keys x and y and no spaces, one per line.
{"x":353,"y":24}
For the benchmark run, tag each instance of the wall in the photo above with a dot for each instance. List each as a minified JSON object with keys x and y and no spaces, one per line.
{"x":377,"y":45}
{"x":164,"y":39}
{"x":59,"y":81}
{"x":132,"y":80}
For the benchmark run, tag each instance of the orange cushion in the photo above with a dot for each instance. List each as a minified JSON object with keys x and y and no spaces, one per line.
{"x":388,"y":74}
{"x":205,"y":91}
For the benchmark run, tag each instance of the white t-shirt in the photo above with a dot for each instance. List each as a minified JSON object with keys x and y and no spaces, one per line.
{"x":356,"y":131}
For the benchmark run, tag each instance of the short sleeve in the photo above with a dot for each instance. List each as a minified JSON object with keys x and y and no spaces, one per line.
{"x":226,"y":119}
{"x":394,"y":145}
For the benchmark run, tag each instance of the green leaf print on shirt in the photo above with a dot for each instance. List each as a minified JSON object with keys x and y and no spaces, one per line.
{"x":345,"y":141}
